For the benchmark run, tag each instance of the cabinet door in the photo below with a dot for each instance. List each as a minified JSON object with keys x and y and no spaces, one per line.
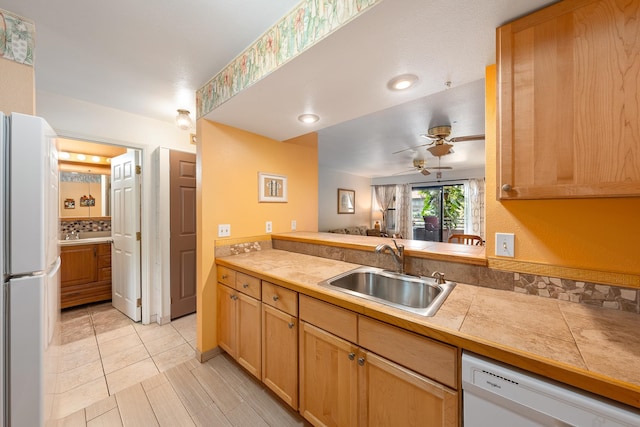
{"x":280,"y":354}
{"x":227,"y":319}
{"x":567,"y":102}
{"x":78,"y":264}
{"x":328,"y":378}
{"x":248,"y":334}
{"x":394,"y":396}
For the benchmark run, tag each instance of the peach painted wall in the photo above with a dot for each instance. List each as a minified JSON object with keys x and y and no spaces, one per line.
{"x":229,"y":160}
{"x":17,"y":88}
{"x":596,"y":234}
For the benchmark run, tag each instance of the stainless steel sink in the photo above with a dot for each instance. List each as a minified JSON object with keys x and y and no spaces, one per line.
{"x":420,"y":295}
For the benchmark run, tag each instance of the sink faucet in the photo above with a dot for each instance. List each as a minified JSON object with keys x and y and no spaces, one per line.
{"x":398,"y":257}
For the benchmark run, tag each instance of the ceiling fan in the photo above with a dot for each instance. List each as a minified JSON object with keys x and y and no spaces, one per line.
{"x":420,"y":165}
{"x":439,"y":136}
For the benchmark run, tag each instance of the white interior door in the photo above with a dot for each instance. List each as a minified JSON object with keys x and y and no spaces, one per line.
{"x":125,"y":226}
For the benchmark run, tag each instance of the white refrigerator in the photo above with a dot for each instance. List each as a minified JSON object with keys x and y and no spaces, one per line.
{"x":30,"y":261}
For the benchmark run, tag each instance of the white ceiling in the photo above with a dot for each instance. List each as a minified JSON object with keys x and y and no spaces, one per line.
{"x":148,"y":57}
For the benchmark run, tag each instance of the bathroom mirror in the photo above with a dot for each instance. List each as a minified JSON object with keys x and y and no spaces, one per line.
{"x":84,"y":195}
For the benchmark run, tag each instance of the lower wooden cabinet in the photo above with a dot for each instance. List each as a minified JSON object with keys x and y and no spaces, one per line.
{"x":85,"y":274}
{"x":280,"y":354}
{"x":239,"y":332}
{"x":395,"y":396}
{"x":328,"y":378}
{"x":344,"y":384}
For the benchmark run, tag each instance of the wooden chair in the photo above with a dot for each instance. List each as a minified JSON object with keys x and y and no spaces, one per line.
{"x":466,"y":239}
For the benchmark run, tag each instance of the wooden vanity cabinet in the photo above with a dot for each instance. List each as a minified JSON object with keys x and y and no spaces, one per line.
{"x":366,"y":381}
{"x":85,"y":274}
{"x":567,"y":102}
{"x":239,"y":319}
{"x":280,"y":342}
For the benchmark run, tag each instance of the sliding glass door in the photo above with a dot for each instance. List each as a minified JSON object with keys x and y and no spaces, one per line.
{"x":437,"y":212}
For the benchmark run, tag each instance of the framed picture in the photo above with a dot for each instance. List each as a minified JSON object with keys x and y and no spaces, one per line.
{"x":346,"y":201}
{"x":87,"y":201}
{"x":272,"y":188}
{"x":69,"y":203}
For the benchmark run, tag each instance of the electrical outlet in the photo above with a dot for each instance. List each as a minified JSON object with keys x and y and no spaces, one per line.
{"x":293,"y":225}
{"x":505,"y":244}
{"x":269,"y":227}
{"x":224,"y":230}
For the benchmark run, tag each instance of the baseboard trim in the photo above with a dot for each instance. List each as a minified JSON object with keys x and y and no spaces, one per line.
{"x":207,"y":355}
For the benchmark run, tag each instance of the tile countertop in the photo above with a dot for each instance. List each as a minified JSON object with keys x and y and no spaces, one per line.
{"x":89,"y":241}
{"x":591,"y":348}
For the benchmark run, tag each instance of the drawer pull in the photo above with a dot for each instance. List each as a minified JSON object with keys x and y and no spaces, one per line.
{"x":245,"y":285}
{"x":224,"y":276}
{"x":276,"y":297}
{"x":352,"y":356}
{"x":361,"y":361}
{"x":291,"y":325}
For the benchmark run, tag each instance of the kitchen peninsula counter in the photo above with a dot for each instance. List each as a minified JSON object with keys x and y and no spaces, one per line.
{"x":590,"y":348}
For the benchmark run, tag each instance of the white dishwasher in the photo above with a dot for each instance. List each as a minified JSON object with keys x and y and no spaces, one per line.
{"x":497,"y":395}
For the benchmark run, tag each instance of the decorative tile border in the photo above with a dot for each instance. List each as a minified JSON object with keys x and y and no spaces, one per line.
{"x":241,"y":246}
{"x":304,"y":26}
{"x":90,"y":178}
{"x":16,"y":38}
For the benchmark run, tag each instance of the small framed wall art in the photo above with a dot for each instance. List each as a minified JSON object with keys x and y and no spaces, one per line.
{"x":346,"y":201}
{"x":69,"y":203}
{"x":272,"y":188}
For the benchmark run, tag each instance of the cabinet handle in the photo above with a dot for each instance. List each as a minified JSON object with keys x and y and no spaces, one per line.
{"x":291,"y":325}
{"x":276,"y":297}
{"x":506,"y":187}
{"x":361,"y":361}
{"x":224,"y":276}
{"x":352,"y":356}
{"x":94,"y":251}
{"x":231,"y":296}
{"x":245,"y":285}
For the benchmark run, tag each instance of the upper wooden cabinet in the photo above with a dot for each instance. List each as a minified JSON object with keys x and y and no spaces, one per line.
{"x":568,"y":104}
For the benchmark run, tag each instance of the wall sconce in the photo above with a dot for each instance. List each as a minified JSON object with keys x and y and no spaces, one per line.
{"x":183,"y":121}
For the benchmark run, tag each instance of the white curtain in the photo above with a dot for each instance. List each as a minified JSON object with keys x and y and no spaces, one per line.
{"x":384,"y":197}
{"x":474,"y":207}
{"x":404,"y":224}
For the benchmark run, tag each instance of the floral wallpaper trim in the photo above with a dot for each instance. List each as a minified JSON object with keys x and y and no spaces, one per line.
{"x":304,"y":26}
{"x":16,"y":38}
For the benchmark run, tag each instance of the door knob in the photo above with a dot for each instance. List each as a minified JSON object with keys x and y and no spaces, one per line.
{"x":361,"y":361}
{"x":352,"y":356}
{"x":506,"y":187}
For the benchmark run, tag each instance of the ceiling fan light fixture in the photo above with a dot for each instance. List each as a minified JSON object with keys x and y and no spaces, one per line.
{"x":308,"y":118}
{"x":183,"y":121}
{"x":402,"y":82}
{"x":440,"y":150}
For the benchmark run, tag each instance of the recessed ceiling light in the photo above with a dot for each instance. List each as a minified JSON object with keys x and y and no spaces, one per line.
{"x":96,"y":159}
{"x":405,"y":81}
{"x":81,"y":157}
{"x":308,"y":118}
{"x":64,"y":155}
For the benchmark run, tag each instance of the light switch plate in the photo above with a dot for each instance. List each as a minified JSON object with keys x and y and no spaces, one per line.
{"x":293,"y":225}
{"x":224,"y":230}
{"x":269,"y":227}
{"x":505,"y":244}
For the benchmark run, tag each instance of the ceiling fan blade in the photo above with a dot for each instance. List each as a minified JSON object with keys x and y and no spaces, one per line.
{"x":440,"y":167}
{"x":467,"y":138}
{"x":404,"y":172}
{"x":425,"y":172}
{"x":410,"y":148}
{"x":431,"y":137}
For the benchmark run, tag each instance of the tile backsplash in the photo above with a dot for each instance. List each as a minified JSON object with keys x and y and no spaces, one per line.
{"x":67,"y":226}
{"x":607,"y":296}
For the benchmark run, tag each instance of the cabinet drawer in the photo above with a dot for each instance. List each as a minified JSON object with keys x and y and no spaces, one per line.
{"x":338,"y":321}
{"x":226,"y":276}
{"x":425,"y":356}
{"x":280,"y":298}
{"x":248,"y":285}
{"x":104,"y":249}
{"x":104,"y":260}
{"x":104,"y":274}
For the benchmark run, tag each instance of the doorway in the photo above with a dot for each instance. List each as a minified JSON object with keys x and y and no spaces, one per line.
{"x":91,"y":157}
{"x":437,"y":211}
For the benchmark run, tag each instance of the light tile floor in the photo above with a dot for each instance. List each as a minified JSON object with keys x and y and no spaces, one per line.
{"x":104,"y":352}
{"x":120,"y":373}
